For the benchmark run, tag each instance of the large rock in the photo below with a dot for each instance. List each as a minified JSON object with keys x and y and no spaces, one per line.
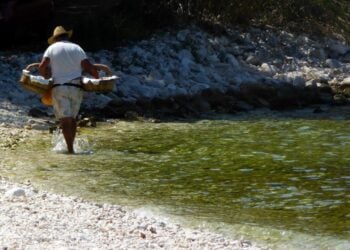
{"x":333,"y":63}
{"x":346,"y":81}
{"x":337,"y":49}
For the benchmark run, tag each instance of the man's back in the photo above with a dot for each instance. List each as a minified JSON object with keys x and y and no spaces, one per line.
{"x":65,"y":60}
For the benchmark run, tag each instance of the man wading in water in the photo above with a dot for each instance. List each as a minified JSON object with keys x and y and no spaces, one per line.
{"x":67,"y":60}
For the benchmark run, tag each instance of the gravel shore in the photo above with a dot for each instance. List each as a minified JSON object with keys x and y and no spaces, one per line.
{"x":35,"y":219}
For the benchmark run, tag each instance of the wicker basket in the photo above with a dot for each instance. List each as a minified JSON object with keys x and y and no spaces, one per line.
{"x":32,"y":83}
{"x":101,"y":85}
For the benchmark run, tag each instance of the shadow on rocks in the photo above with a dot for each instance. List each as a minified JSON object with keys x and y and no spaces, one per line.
{"x":248,"y":97}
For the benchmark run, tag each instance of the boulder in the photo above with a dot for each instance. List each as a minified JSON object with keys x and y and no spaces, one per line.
{"x":333,"y":63}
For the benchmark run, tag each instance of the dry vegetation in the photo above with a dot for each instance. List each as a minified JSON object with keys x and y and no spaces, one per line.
{"x":129,"y":19}
{"x":123,"y":20}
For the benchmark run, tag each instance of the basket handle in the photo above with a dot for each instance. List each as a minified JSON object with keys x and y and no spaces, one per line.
{"x":100,"y":67}
{"x":32,"y":65}
{"x":104,"y":68}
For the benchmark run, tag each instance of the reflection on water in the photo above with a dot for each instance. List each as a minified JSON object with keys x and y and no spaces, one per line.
{"x":278,"y":180}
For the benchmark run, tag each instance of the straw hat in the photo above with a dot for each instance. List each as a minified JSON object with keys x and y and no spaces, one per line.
{"x":59,"y":30}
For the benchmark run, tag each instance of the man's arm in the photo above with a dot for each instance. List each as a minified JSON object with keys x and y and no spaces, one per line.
{"x":89,"y":68}
{"x":44,"y":69}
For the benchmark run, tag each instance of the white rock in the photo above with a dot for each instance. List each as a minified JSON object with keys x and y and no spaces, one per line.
{"x":15,"y":192}
{"x":322,"y":85}
{"x":311,"y":84}
{"x":345,"y":81}
{"x":269,"y":69}
{"x":296,"y":78}
{"x":254,"y":59}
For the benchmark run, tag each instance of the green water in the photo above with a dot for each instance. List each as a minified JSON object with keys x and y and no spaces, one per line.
{"x":270,"y":178}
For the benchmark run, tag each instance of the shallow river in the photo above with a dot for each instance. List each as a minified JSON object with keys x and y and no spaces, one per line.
{"x":276,"y":179}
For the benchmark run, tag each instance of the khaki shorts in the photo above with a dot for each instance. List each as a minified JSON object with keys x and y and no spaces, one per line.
{"x":66,"y":101}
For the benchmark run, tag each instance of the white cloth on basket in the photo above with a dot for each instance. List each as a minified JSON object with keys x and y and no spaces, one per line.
{"x":94,"y":81}
{"x":38,"y":79}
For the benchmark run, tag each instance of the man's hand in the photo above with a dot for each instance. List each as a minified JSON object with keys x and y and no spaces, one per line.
{"x":44,"y":68}
{"x":89,"y":68}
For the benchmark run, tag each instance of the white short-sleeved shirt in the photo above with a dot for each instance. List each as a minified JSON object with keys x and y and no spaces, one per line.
{"x":65,"y":60}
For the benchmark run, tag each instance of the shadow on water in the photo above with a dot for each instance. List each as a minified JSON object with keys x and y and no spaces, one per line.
{"x":322,"y":112}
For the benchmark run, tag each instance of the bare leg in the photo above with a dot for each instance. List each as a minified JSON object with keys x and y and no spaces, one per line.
{"x":69,"y":129}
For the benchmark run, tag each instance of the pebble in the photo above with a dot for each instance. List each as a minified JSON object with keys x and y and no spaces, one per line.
{"x":15,"y":192}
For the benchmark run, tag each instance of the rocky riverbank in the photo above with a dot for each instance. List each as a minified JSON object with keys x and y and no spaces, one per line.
{"x":192,"y":72}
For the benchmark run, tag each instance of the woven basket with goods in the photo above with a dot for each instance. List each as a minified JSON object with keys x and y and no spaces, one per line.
{"x":33,"y":83}
{"x":103,"y":84}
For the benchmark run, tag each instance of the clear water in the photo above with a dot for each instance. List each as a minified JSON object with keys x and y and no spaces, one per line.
{"x":282,"y":181}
